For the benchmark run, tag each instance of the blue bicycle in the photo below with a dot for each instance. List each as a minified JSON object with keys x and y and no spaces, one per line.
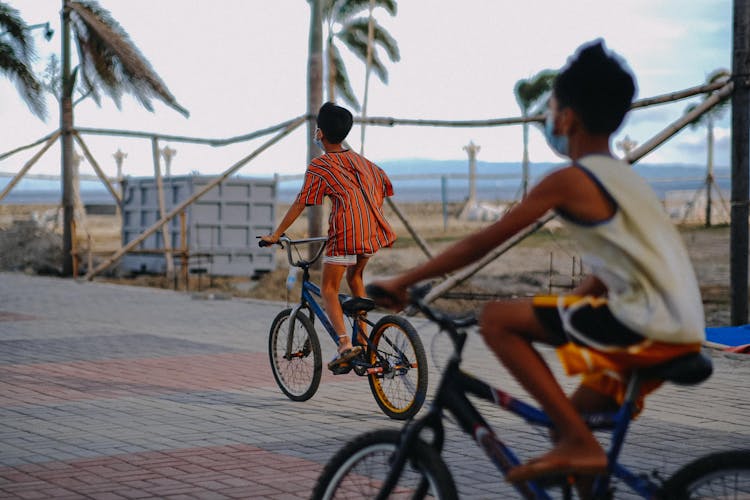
{"x":408,"y":464}
{"x":393,"y":357}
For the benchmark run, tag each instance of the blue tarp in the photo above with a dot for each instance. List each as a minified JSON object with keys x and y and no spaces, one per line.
{"x":729,"y":335}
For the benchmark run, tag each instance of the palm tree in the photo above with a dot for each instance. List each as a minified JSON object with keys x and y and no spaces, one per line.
{"x":109,"y":61}
{"x":708,"y":119}
{"x":345,"y":26}
{"x":16,"y":56}
{"x":530,"y":93}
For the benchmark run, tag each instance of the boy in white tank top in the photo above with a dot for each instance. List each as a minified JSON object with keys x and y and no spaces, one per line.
{"x":640,"y":304}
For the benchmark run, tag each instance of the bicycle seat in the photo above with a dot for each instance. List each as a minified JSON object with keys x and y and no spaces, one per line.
{"x":690,"y":369}
{"x":352,"y":305}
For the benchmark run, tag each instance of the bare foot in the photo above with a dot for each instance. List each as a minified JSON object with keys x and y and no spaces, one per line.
{"x":577,"y":457}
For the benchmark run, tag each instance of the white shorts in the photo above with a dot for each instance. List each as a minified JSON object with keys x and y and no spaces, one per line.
{"x":343,"y":260}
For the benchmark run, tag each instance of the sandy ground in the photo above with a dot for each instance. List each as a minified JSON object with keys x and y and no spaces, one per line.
{"x":545,"y":261}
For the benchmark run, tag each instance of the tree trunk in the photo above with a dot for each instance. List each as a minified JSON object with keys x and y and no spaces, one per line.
{"x":368,"y":68}
{"x":740,"y":153}
{"x":331,"y":70}
{"x":66,"y":145}
{"x":525,"y":163}
{"x":709,"y":168}
{"x":314,"y":101}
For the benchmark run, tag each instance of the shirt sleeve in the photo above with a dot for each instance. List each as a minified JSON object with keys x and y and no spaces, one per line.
{"x":387,"y":186}
{"x":313,"y":189}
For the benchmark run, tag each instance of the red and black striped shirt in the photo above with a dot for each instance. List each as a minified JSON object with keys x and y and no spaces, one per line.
{"x":356,"y":188}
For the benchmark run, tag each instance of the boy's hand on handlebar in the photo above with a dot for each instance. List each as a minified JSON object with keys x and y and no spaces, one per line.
{"x":268,"y":240}
{"x":388,"y":294}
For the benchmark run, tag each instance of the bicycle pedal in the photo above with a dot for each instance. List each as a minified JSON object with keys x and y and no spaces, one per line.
{"x":341,"y":369}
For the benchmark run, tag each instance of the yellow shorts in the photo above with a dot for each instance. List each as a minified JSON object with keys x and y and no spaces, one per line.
{"x":593,"y":343}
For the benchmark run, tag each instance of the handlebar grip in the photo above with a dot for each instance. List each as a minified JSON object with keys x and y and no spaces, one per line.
{"x":264,"y":243}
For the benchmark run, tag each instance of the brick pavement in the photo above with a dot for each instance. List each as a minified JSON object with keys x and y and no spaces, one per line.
{"x":118,"y":392}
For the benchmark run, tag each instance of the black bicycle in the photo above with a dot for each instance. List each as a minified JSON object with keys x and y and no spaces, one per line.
{"x":408,"y":464}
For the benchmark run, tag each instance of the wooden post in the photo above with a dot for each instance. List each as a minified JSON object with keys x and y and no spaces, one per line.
{"x":162,"y":210}
{"x":740,"y":152}
{"x":183,"y":245}
{"x":73,"y":248}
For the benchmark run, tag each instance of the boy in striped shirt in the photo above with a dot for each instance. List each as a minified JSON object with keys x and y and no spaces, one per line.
{"x":357,"y":227}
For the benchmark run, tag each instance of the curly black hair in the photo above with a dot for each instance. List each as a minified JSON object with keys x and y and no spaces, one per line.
{"x":596,"y":84}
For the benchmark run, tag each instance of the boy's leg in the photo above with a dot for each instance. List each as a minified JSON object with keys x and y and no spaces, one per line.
{"x":508,"y":328}
{"x":329,"y":292}
{"x":357,"y":286}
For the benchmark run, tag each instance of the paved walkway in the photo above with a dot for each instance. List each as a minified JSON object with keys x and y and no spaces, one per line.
{"x":116,"y":392}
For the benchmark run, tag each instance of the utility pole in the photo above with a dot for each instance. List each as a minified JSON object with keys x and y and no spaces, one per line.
{"x":740,"y":153}
{"x":314,"y":101}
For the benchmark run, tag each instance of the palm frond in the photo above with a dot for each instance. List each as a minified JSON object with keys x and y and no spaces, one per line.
{"x":28,"y":86}
{"x":381,"y":38}
{"x":110,"y":59}
{"x":530,"y":91}
{"x":341,"y":80}
{"x":342,"y":10}
{"x":16,"y":57}
{"x":16,"y":34}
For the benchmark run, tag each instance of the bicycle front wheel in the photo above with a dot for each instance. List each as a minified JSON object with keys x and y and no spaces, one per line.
{"x":399,"y":377}
{"x":295,"y":356}
{"x":723,"y":475}
{"x":359,"y":469}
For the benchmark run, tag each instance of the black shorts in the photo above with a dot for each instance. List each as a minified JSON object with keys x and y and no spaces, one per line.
{"x":584,"y":321}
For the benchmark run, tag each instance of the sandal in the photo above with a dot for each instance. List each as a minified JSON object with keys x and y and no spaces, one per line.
{"x":344,"y":356}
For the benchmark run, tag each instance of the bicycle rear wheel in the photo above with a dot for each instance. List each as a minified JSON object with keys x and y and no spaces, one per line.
{"x":399,"y":381}
{"x":359,"y":469}
{"x":724,"y":475}
{"x":296,"y":361}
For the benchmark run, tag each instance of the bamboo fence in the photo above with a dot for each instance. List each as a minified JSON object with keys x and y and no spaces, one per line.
{"x":723,"y":88}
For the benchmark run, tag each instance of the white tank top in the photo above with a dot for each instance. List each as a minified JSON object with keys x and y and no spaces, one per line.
{"x":639,"y":255}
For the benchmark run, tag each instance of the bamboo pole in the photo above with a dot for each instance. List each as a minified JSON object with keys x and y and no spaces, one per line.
{"x":123,"y":250}
{"x":166,"y":236}
{"x":195,"y":140}
{"x":99,"y":172}
{"x":469,"y":271}
{"x":417,"y":238}
{"x":679,"y":124}
{"x":54,"y":134}
{"x":184,"y":253}
{"x":50,"y":140}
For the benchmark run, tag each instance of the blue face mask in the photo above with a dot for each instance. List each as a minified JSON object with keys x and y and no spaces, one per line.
{"x":558,"y":143}
{"x":317,"y":141}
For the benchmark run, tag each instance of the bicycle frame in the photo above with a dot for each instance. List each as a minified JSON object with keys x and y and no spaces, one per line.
{"x":307,"y":300}
{"x":451,"y":395}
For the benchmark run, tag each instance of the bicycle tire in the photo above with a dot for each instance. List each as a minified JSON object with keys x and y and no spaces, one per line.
{"x":298,"y":376}
{"x":358,"y":470}
{"x":401,"y":389}
{"x":724,"y":474}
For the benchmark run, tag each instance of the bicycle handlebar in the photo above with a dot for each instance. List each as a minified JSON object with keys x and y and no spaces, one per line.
{"x":449,"y":322}
{"x":290,"y":243}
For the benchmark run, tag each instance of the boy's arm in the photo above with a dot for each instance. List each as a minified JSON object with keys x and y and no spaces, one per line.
{"x":549,"y":194}
{"x":295,"y":209}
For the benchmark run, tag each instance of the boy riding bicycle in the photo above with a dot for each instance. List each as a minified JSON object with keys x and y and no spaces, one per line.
{"x":357,"y":227}
{"x":639,"y":306}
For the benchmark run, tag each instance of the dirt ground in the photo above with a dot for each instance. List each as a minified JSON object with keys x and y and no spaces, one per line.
{"x":545,"y":261}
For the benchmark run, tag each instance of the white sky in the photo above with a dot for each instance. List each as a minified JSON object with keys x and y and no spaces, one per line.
{"x":240,"y":65}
